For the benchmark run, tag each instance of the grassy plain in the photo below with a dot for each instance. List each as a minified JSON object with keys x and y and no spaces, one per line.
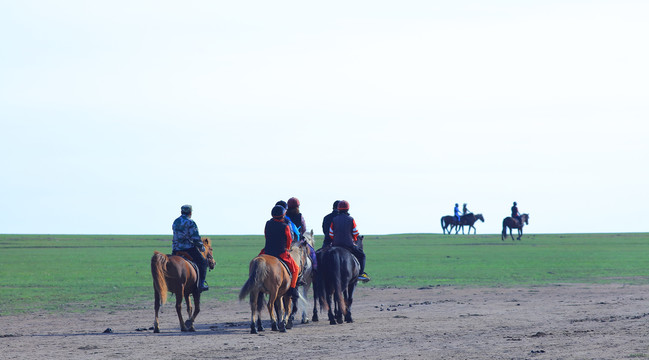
{"x":85,"y":272}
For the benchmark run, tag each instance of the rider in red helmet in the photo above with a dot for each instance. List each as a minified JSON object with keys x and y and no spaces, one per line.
{"x":344,"y":233}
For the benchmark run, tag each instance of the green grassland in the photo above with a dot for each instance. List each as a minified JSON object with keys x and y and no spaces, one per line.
{"x":84,"y":272}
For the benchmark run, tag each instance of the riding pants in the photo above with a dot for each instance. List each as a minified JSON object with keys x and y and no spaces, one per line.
{"x":359,"y":254}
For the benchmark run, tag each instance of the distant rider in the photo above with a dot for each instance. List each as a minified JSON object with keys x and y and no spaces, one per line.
{"x":187,"y":239}
{"x":465,"y":210}
{"x":515,"y":214}
{"x":458,"y":213}
{"x":344,"y":233}
{"x":278,"y":243}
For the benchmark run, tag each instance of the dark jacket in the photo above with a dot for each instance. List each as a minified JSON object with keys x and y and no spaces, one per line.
{"x":278,"y":237}
{"x":297,"y":219}
{"x":326,"y":224}
{"x":343,"y":230}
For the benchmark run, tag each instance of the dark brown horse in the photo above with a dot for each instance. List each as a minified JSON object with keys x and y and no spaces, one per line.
{"x":448,"y":223}
{"x":338,"y":271}
{"x":512,"y":223}
{"x":469,"y":220}
{"x":267,"y":275}
{"x":175,"y":274}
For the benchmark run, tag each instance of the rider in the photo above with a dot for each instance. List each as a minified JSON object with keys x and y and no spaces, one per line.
{"x":326,"y":224}
{"x":278,"y":243}
{"x":344,"y":233}
{"x":294,"y":229}
{"x":457,"y":212}
{"x":515,"y":214}
{"x":187,"y":239}
{"x":293,"y":213}
{"x":465,"y":210}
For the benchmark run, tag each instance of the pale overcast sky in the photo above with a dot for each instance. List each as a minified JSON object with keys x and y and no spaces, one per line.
{"x":116,"y":113}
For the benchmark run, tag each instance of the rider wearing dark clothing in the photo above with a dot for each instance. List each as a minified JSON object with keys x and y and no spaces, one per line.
{"x":293,"y":212}
{"x":515,"y":214}
{"x":278,"y":242}
{"x":344,"y":233}
{"x":326,"y":224}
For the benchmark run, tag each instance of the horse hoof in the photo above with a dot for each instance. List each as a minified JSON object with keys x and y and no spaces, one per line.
{"x":273,"y":327}
{"x":184,"y":329}
{"x":253,"y":331}
{"x":315,"y":318}
{"x":156,"y":330}
{"x":289,"y":324}
{"x":191,"y":329}
{"x":305,"y":321}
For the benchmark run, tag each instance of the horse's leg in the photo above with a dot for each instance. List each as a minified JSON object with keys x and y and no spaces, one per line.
{"x":331,"y":305}
{"x":179,"y":308}
{"x":305,"y":292}
{"x":281,"y":311}
{"x":197,"y":308}
{"x":510,"y":233}
{"x":271,"y":304}
{"x":520,"y":233}
{"x":349,"y":299}
{"x":253,"y":312}
{"x":260,"y":307}
{"x":156,"y":297}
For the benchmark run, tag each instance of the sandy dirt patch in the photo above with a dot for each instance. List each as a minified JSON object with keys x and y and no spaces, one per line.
{"x":572,"y":321}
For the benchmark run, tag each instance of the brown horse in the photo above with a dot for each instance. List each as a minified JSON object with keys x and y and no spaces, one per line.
{"x":469,"y":220}
{"x":511,"y":223}
{"x":175,"y":274}
{"x":268,"y":275}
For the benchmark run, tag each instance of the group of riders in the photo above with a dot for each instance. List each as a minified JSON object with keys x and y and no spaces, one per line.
{"x":286,"y":226}
{"x":465,"y":211}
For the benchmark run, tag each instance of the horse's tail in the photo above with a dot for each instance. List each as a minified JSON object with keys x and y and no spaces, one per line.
{"x":504,"y":229}
{"x":336,"y":282}
{"x":258,"y":271}
{"x":443,"y":225}
{"x":158,"y":271}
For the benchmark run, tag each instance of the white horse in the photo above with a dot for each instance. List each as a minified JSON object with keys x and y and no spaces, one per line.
{"x":306,"y":278}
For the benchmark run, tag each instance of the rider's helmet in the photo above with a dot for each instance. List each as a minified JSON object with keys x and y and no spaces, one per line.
{"x":293,"y":203}
{"x":278,"y":211}
{"x":282,"y":203}
{"x":343,"y":205}
{"x":336,"y":204}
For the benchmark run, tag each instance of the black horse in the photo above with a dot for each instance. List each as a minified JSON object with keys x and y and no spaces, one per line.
{"x":448,"y":223}
{"x":469,"y":220}
{"x":337,"y":276}
{"x":512,"y":223}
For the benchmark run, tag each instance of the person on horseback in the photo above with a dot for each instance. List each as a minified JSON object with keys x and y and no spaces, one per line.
{"x":515,"y":214}
{"x":465,"y":210}
{"x":458,"y":213}
{"x":293,"y":213}
{"x":326,"y":224}
{"x":278,"y":243}
{"x":294,"y":229}
{"x":187,"y":239}
{"x":344,"y":233}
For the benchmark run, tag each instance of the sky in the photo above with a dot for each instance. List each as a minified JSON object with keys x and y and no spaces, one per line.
{"x":116,"y":113}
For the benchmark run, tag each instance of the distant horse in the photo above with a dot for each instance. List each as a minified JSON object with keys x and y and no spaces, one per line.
{"x":469,"y":220}
{"x":176,"y":274}
{"x":338,"y":275}
{"x":511,"y":223}
{"x":268,"y":275}
{"x":301,"y":253}
{"x":448,"y":223}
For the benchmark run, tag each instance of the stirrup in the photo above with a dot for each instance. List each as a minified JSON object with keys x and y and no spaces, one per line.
{"x":364,"y":277}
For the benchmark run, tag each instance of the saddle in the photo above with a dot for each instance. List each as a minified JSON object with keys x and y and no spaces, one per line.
{"x":191,"y":262}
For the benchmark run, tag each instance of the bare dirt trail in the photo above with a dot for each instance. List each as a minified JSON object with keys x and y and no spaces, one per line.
{"x":572,"y":321}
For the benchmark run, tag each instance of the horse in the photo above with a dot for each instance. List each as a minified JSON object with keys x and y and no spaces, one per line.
{"x":268,"y":275}
{"x":175,"y":273}
{"x":449,"y":220}
{"x":511,"y":223}
{"x":338,"y":276}
{"x":301,"y":254}
{"x":469,"y":219}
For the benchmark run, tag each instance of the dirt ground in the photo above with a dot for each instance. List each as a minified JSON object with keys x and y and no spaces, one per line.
{"x":568,"y":321}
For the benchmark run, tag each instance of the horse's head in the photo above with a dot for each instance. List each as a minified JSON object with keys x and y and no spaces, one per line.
{"x":208,"y":253}
{"x":479,"y":217}
{"x":526,"y":218}
{"x":308,"y":237}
